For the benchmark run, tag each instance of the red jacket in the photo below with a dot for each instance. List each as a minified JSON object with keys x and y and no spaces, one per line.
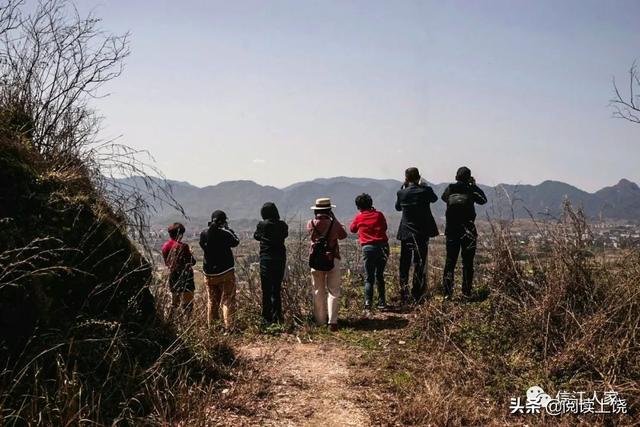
{"x":177,"y":256}
{"x":371,"y":227}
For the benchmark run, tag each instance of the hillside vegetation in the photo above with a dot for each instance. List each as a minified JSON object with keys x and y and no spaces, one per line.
{"x":81,"y":339}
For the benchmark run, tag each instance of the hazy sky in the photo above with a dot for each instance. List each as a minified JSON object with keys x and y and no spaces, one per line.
{"x":283,"y":91}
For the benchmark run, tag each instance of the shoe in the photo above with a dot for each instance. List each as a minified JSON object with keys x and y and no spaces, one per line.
{"x":382,"y":306}
{"x":333,"y":327}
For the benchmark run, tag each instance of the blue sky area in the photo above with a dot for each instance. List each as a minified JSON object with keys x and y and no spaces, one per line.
{"x":283,"y":91}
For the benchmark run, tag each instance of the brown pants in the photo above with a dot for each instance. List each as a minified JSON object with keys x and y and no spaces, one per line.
{"x":222,"y":292}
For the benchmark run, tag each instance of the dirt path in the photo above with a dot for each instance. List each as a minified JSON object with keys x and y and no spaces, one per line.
{"x":312,"y":383}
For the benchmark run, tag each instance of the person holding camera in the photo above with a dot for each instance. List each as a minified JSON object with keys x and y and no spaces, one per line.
{"x":417,"y":226}
{"x":218,"y":265}
{"x":271,"y":233}
{"x":460,"y":229}
{"x":325,"y":231}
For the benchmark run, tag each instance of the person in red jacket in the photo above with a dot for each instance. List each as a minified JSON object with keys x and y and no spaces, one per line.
{"x":179,"y":260}
{"x":371,"y":227}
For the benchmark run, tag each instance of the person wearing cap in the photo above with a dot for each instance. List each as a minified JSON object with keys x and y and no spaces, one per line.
{"x":371,"y":226}
{"x":271,"y":233}
{"x":460,"y":229}
{"x":417,"y":226}
{"x":326,"y":284}
{"x":218,"y":264}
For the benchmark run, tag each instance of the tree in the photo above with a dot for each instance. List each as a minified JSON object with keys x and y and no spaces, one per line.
{"x":627,"y":106}
{"x":53,"y":63}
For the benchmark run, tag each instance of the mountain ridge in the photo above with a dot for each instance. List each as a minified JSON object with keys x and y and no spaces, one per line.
{"x":242,"y":198}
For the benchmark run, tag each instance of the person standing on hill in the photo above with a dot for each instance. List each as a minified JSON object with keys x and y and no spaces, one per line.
{"x":371,"y":226}
{"x":325,"y":231}
{"x":180,"y":261}
{"x":271,"y":233}
{"x":416,"y":227}
{"x":218,"y":265}
{"x":460,"y":230}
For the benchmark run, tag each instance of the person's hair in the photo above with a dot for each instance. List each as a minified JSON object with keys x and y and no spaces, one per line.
{"x":218,"y":218}
{"x":463,"y":174}
{"x":364,"y":202}
{"x":176,"y":229}
{"x":412,"y":175}
{"x":321,"y":211}
{"x":270,"y":211}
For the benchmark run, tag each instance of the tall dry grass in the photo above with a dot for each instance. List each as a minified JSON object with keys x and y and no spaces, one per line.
{"x":559,"y":314}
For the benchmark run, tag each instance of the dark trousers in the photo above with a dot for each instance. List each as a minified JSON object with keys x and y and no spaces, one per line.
{"x":271,"y":275}
{"x":413,"y":252}
{"x":375,"y":260}
{"x":456,"y":244}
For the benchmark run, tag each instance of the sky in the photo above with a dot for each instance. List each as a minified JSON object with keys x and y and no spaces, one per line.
{"x":285,"y":91}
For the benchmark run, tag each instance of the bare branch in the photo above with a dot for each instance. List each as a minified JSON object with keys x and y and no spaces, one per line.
{"x":627,"y":106}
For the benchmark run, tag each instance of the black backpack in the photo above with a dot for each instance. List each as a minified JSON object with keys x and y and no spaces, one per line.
{"x":321,"y":257}
{"x":459,"y":205}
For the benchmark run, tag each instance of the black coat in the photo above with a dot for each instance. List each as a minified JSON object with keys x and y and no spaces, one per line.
{"x":217,"y":243}
{"x":417,"y":220}
{"x":462,"y":220}
{"x":271,"y":234}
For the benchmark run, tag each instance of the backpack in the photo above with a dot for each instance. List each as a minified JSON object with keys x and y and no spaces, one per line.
{"x":459,"y":205}
{"x":321,"y":257}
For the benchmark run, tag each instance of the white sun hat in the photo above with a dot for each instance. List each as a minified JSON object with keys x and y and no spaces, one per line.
{"x":322,"y":204}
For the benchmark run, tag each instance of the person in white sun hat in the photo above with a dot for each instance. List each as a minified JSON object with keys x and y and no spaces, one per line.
{"x":324,"y":259}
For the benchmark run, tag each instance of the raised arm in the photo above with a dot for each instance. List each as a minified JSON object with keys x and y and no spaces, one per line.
{"x":431,"y":195}
{"x":398,"y":204}
{"x":192,"y":259}
{"x":445,"y":195}
{"x":203,"y":240}
{"x":354,"y":225}
{"x":231,"y":238}
{"x":478,"y":195}
{"x":259,"y":232}
{"x":342,"y":233}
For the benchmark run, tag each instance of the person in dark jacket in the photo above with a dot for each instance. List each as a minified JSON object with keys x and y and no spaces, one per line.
{"x":416,"y":227}
{"x":460,"y":230}
{"x":218,"y":265}
{"x":271,"y":232}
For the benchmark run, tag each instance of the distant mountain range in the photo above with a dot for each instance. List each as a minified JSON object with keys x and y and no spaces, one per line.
{"x":242,"y":199}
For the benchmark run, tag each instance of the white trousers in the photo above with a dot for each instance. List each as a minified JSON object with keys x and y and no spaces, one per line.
{"x":326,"y":294}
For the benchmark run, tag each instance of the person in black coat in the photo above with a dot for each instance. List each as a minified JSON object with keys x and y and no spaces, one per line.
{"x":271,"y":233}
{"x":416,"y":227}
{"x":218,"y":265}
{"x":460,"y":230}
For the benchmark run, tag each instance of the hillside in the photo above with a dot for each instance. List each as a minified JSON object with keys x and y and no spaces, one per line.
{"x":242,"y":199}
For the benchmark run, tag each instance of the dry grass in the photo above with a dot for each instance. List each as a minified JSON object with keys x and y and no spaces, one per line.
{"x":557,"y":316}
